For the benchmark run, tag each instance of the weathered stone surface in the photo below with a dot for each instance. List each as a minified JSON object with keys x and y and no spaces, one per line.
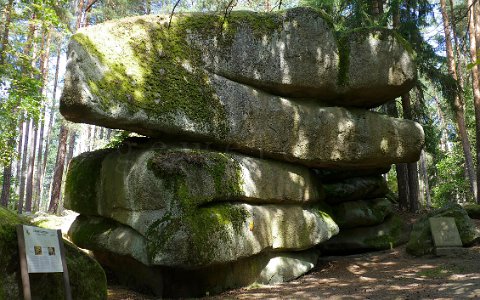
{"x":421,"y":242}
{"x":253,"y":122}
{"x":137,"y":184}
{"x":444,"y":232}
{"x":387,"y":235}
{"x":218,"y":234}
{"x":357,"y":188}
{"x":302,"y":57}
{"x":362,"y":212}
{"x":136,"y":75}
{"x":292,"y":53}
{"x":87,"y":279}
{"x":193,"y":207}
{"x":168,"y":282}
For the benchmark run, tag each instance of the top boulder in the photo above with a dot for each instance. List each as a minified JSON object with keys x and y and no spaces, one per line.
{"x":295,"y":53}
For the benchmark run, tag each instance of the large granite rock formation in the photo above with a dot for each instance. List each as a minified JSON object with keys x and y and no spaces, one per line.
{"x":153,"y":81}
{"x":266,"y":97}
{"x":195,"y":208}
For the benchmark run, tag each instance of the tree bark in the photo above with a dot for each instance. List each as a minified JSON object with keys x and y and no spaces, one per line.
{"x":413,"y":188}
{"x":31,"y":169}
{"x":6,"y":31}
{"x":58,"y":174}
{"x":458,"y":102}
{"x":401,"y":169}
{"x":52,"y":115}
{"x":426,"y":184}
{"x":80,"y":13}
{"x":44,"y":66}
{"x":6,"y":184}
{"x":21,"y":193}
{"x":19,"y":153}
{"x":71,"y":147}
{"x":475,"y":85}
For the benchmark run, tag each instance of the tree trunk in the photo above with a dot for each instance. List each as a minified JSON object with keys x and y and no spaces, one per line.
{"x":80,"y":13}
{"x":7,"y":170}
{"x":44,"y":66}
{"x":401,"y":169}
{"x":458,"y":102}
{"x":31,"y":169}
{"x":58,"y":174}
{"x":423,"y":168}
{"x":7,"y":178}
{"x":413,"y":188}
{"x":19,"y":155}
{"x":23,"y":176}
{"x":71,"y":147}
{"x":475,"y":86}
{"x":6,"y":31}
{"x":52,"y":114}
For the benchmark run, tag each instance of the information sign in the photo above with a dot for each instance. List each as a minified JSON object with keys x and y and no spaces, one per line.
{"x":42,"y":249}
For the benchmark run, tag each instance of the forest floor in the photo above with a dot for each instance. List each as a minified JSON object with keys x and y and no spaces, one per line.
{"x":392,"y":274}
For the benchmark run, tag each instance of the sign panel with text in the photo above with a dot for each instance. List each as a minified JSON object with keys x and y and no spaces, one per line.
{"x":42,"y":249}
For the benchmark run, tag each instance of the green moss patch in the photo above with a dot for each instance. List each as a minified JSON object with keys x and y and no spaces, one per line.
{"x":82,"y":182}
{"x":421,"y":242}
{"x":473,"y":210}
{"x":157,"y":72}
{"x":87,"y":278}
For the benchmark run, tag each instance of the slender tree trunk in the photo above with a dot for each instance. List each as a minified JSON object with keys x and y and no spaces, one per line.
{"x":52,"y":114}
{"x":6,"y":31}
{"x":109,"y":134}
{"x":58,"y":174}
{"x":458,"y":102}
{"x":7,"y":170}
{"x":21,"y":193}
{"x":80,"y":13}
{"x":31,"y":169}
{"x":413,"y":188}
{"x":426,"y":185}
{"x":401,"y":169}
{"x":19,"y":155}
{"x":39,"y":170}
{"x":475,"y":86}
{"x":443,"y":128}
{"x":7,"y":178}
{"x":71,"y":147}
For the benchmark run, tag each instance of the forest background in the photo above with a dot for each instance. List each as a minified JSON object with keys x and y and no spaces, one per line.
{"x":36,"y":143}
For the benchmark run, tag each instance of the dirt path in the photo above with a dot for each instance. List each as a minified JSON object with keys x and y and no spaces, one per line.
{"x":379,"y":275}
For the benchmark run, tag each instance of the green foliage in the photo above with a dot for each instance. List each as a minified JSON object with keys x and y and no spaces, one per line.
{"x":451,"y":184}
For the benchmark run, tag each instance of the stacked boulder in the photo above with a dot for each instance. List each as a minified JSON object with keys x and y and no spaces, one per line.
{"x":242,"y":114}
{"x":363,"y":211}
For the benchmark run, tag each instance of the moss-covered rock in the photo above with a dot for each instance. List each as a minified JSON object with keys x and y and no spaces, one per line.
{"x":87,"y":278}
{"x":200,"y":80}
{"x":210,"y":235}
{"x":356,"y":188}
{"x":362,"y":213}
{"x":421,"y":241}
{"x":389,"y":234}
{"x":473,"y":210}
{"x":137,"y":185}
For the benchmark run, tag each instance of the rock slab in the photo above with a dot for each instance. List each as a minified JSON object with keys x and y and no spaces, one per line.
{"x":191,"y":208}
{"x":135,"y":75}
